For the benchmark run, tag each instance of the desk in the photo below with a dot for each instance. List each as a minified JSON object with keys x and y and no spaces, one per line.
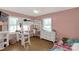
{"x":13,"y":37}
{"x":4,"y":41}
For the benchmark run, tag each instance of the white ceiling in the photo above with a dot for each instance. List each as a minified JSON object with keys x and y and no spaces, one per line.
{"x":29,"y":10}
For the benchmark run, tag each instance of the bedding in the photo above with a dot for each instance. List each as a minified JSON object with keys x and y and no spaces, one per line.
{"x":70,"y":42}
{"x":68,"y":46}
{"x":75,"y":47}
{"x":58,"y":47}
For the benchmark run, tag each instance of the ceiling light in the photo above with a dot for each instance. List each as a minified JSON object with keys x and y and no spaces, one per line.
{"x":36,"y":11}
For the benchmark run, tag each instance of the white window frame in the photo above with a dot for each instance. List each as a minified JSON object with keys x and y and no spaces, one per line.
{"x":50,"y":24}
{"x":12,"y":24}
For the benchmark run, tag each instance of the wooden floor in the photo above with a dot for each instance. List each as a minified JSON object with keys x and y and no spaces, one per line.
{"x":37,"y":44}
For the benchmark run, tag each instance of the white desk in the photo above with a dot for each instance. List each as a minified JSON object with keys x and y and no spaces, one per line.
{"x":3,"y":36}
{"x":7,"y":35}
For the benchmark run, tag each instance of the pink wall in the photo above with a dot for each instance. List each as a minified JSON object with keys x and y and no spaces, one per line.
{"x":66,"y":23}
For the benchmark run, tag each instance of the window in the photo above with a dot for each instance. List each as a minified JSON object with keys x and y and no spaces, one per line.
{"x":12,"y":24}
{"x":47,"y":24}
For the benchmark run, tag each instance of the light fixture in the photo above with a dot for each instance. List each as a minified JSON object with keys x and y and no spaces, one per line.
{"x":36,"y":11}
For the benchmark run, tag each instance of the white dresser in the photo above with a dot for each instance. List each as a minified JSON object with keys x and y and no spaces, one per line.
{"x":50,"y":36}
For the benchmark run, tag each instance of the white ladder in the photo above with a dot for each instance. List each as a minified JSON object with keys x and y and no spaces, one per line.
{"x":24,"y":37}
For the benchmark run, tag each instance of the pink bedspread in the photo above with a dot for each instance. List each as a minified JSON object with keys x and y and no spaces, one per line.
{"x":64,"y":47}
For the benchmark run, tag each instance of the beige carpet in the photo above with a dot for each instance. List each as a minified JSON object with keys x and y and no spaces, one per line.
{"x":37,"y":44}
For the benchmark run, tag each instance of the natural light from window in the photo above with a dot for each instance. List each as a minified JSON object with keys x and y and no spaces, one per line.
{"x":47,"y":24}
{"x":14,"y":25}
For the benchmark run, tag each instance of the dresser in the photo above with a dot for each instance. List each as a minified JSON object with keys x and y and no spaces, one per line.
{"x":50,"y":36}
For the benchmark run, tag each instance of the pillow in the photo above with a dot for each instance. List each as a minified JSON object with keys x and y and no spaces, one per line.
{"x":76,"y":40}
{"x":70,"y":42}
